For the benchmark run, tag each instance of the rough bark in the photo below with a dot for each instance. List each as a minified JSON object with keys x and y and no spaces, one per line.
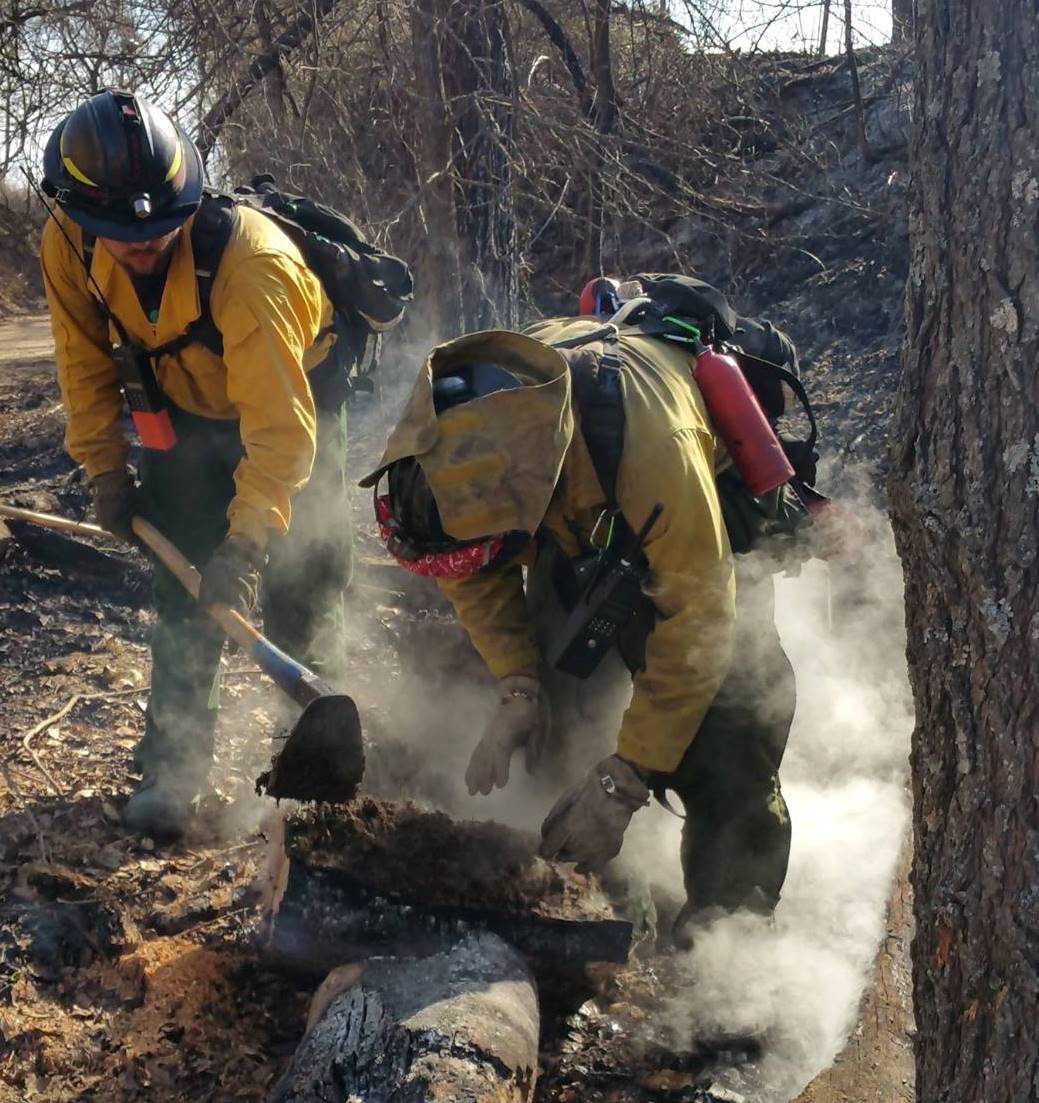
{"x":461,"y":1026}
{"x":965,"y":494}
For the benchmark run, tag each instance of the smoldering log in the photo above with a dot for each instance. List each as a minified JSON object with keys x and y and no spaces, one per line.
{"x":326,"y":917}
{"x":461,"y":1025}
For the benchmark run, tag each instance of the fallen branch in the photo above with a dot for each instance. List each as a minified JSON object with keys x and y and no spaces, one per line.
{"x":65,"y":709}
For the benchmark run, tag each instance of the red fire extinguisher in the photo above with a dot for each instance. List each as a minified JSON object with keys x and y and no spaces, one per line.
{"x":739,"y":418}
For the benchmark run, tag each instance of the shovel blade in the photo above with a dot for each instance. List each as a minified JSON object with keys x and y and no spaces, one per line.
{"x":323,"y":756}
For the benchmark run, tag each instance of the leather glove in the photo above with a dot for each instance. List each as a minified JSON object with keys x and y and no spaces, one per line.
{"x":587,"y":823}
{"x":114,"y":498}
{"x":232,"y":575}
{"x":522,"y":719}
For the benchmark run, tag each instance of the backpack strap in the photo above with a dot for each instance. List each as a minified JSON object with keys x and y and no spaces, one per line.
{"x":210,"y":232}
{"x":596,"y":387}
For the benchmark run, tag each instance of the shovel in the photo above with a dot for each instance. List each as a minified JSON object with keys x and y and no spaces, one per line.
{"x":323,"y":756}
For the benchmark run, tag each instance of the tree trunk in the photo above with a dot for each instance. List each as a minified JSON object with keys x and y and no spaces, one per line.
{"x":438,"y":276}
{"x":605,"y":116}
{"x":965,"y":496}
{"x":461,"y":1026}
{"x":479,"y":83}
{"x":824,"y":28}
{"x":856,"y":88}
{"x":903,"y":19}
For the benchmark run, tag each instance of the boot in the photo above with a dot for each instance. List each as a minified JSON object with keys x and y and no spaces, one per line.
{"x":161,"y":807}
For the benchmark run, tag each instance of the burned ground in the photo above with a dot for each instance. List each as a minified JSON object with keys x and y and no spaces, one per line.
{"x":128,"y":972}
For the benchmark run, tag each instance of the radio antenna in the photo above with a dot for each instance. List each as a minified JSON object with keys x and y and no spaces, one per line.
{"x":123,"y":335}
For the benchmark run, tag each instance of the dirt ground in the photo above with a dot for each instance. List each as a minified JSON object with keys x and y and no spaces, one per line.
{"x":129,"y":972}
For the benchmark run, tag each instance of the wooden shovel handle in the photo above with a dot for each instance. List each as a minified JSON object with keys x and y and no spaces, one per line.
{"x":51,"y":521}
{"x":294,"y":678}
{"x":301,"y":684}
{"x":236,"y":626}
{"x":232,"y":622}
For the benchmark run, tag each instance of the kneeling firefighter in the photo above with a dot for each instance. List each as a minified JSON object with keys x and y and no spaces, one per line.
{"x":594,"y":464}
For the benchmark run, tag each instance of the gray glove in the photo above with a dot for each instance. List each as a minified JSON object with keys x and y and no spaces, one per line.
{"x":232,"y":575}
{"x":522,"y":719}
{"x":587,"y":823}
{"x":114,"y":499}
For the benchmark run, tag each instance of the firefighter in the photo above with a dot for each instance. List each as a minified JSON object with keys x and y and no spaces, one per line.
{"x":120,"y":279}
{"x":491,"y":469}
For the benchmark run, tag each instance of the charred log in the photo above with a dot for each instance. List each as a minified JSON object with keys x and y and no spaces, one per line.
{"x":326,"y":917}
{"x":461,"y":1025}
{"x":384,"y":878}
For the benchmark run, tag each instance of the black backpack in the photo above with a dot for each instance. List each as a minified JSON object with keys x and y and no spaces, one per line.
{"x":368,"y":288}
{"x":767,"y":358}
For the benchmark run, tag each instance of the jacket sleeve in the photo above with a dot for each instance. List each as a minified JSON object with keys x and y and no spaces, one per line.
{"x":86,"y":371}
{"x":269,"y":315}
{"x":691,"y":583}
{"x":493,"y":611}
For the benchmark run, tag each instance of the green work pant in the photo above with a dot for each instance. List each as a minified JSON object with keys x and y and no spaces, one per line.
{"x":185,"y":493}
{"x":736,"y":835}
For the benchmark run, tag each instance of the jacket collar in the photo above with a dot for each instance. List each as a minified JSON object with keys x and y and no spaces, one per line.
{"x":180,"y":303}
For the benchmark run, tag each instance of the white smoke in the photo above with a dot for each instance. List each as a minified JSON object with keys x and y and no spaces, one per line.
{"x":796,"y":982}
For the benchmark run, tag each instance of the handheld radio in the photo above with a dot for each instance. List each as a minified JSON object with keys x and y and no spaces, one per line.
{"x":144,"y":397}
{"x":607,"y":603}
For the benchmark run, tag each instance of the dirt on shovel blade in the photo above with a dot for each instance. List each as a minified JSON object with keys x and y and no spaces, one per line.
{"x":323,"y":756}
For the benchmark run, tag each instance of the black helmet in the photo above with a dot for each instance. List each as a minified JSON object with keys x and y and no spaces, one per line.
{"x":470,"y":381}
{"x":122,"y":168}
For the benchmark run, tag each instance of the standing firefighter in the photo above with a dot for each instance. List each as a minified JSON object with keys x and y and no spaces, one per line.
{"x":594,"y":464}
{"x":214,"y":364}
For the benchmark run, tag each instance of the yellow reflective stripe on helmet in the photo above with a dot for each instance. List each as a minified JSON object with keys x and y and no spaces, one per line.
{"x":178,"y":156}
{"x":71,"y":166}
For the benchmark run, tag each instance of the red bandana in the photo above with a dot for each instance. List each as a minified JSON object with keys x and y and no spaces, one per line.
{"x":460,"y":562}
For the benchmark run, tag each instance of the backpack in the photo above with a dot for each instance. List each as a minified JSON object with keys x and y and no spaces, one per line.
{"x":773,"y":522}
{"x":368,"y":288}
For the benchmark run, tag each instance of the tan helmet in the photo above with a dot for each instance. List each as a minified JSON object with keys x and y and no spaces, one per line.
{"x":492,"y":462}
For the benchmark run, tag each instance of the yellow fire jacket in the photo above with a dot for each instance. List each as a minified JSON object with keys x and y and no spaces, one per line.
{"x":669,"y":457}
{"x":269,"y":308}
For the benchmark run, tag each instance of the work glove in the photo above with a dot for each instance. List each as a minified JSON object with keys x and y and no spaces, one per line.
{"x":522,"y":719}
{"x":587,"y":823}
{"x":114,"y":498}
{"x":232,"y":575}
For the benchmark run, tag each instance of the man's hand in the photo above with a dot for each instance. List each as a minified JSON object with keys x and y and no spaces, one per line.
{"x":232,"y":575}
{"x":522,"y":719}
{"x":587,"y":823}
{"x":114,"y":498}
